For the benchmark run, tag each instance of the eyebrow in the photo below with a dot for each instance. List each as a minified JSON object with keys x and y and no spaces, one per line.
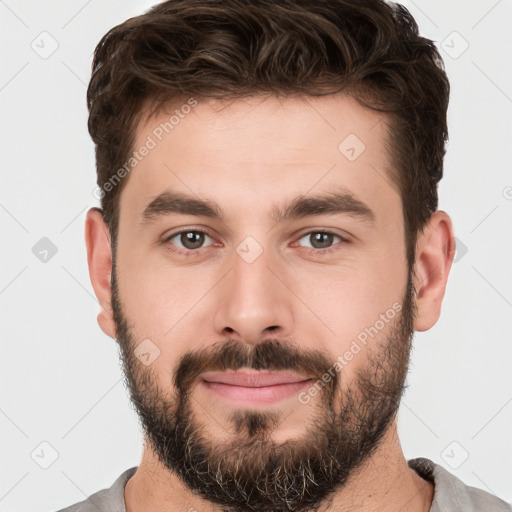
{"x":333,"y":203}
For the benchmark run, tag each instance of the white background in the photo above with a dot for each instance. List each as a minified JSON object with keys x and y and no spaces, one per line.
{"x":61,"y":382}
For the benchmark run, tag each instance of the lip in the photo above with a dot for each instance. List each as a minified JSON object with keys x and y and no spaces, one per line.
{"x":253,"y":379}
{"x":246,"y":388}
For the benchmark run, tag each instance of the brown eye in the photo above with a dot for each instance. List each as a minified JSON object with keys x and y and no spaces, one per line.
{"x":322,"y":241}
{"x":189,"y":240}
{"x":192,"y":239}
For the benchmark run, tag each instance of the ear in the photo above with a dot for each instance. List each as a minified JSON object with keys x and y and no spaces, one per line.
{"x":99,"y":259}
{"x":435,"y":250}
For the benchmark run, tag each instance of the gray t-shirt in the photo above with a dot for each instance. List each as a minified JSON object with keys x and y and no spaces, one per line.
{"x":450,"y":493}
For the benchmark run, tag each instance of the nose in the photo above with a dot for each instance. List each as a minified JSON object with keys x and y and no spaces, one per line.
{"x":254,"y":303}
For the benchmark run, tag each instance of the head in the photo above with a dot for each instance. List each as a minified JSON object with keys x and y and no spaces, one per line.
{"x":258,"y":125}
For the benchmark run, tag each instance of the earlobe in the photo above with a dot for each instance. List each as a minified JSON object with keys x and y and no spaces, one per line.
{"x":99,"y":260}
{"x":435,"y":250}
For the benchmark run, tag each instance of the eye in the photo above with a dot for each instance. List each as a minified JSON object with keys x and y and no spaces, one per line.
{"x":321,"y":241}
{"x":188,"y":240}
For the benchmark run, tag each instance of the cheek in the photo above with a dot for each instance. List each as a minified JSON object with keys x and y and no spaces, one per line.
{"x":154,"y":293}
{"x":353,"y":295}
{"x":166,"y":305}
{"x":357,"y":303}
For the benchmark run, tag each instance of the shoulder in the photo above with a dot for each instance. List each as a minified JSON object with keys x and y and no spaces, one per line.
{"x":452,"y":495}
{"x":106,"y":500}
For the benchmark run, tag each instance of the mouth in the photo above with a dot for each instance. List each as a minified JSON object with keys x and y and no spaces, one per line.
{"x":248,"y":388}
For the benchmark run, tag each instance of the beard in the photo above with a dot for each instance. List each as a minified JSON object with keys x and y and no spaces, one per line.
{"x":250,"y":471}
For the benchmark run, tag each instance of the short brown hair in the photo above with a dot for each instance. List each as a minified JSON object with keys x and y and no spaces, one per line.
{"x":369,"y":49}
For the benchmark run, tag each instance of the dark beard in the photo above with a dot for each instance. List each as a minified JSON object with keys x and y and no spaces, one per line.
{"x":252,"y":472}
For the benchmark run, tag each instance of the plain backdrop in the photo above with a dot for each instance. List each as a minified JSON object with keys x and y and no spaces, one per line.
{"x":66,"y":424}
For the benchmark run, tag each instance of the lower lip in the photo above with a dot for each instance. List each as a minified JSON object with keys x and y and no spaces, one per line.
{"x":265,"y":395}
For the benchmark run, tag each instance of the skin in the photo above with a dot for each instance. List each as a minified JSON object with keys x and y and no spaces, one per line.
{"x":247,"y":155}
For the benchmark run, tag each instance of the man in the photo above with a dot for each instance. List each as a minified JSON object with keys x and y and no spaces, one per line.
{"x":268,"y":242}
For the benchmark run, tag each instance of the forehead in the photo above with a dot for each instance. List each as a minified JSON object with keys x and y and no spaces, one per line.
{"x":255,"y":151}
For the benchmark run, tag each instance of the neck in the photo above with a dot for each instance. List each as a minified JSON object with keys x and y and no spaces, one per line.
{"x":384,"y":483}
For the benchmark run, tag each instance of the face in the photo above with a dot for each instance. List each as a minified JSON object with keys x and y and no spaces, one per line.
{"x":261,"y":296}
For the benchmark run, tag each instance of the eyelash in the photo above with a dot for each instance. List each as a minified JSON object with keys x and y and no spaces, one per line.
{"x":193,"y":252}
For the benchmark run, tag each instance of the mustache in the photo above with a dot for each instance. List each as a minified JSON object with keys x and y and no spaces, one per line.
{"x":272,"y":354}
